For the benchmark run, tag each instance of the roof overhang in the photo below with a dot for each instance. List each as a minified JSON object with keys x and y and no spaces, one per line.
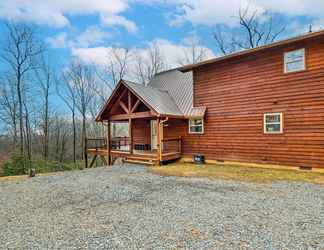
{"x":109,"y":103}
{"x":110,"y":99}
{"x":253,"y":51}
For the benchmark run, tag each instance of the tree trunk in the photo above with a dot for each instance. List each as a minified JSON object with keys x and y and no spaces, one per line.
{"x":21,"y":121}
{"x":15,"y":133}
{"x":28,"y":134}
{"x":57,"y":143}
{"x":84,"y":135}
{"x":74,"y":136}
{"x":45,"y":149}
{"x":63,"y":143}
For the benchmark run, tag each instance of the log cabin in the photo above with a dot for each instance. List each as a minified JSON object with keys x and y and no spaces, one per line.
{"x":263,"y":105}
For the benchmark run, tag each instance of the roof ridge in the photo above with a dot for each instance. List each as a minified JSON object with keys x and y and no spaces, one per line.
{"x":168,"y":70}
{"x":146,"y":86}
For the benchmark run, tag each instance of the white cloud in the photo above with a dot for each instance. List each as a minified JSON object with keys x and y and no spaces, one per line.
{"x":92,"y":36}
{"x":98,"y":55}
{"x":211,"y":12}
{"x":55,"y":12}
{"x":58,"y":41}
{"x":171,"y":52}
{"x":206,"y":12}
{"x":111,"y":20}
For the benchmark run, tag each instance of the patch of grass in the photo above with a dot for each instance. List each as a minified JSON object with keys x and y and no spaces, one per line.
{"x":240,"y":173}
{"x":18,"y":165}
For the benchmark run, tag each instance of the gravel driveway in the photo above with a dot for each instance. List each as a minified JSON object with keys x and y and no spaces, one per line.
{"x":125,"y":207}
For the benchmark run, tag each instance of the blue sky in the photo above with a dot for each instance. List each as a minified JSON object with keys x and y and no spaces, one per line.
{"x":87,"y":29}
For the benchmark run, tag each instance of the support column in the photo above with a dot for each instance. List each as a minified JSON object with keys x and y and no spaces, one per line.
{"x":109,"y":143}
{"x":159,"y":142}
{"x":130,"y":133}
{"x":86,"y":153}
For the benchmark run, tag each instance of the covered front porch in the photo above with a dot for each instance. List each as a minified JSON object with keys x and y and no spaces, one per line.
{"x":136,"y":132}
{"x":145,"y":142}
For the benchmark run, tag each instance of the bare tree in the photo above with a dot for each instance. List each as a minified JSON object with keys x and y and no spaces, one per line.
{"x":193,"y":53}
{"x":19,"y":53}
{"x":66,"y":91}
{"x":8,"y":105}
{"x":255,"y":30}
{"x":27,"y":131}
{"x":115,"y":69}
{"x":44,"y":76}
{"x":81,"y":79}
{"x":149,"y":64}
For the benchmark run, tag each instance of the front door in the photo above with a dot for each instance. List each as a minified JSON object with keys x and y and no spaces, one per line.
{"x":153,"y":134}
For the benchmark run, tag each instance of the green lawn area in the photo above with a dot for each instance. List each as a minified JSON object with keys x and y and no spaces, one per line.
{"x":240,"y":173}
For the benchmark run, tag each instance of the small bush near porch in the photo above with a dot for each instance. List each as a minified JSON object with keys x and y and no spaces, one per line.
{"x":240,"y":173}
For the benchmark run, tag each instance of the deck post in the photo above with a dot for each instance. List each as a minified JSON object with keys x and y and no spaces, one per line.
{"x":159,"y":139}
{"x":86,"y":153}
{"x":130,"y":133}
{"x":109,"y":143}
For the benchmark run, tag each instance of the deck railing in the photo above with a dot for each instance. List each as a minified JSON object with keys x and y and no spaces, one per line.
{"x":96,"y":143}
{"x":121,"y":144}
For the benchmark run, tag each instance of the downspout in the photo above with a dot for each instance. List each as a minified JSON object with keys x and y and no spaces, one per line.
{"x":161,"y":135}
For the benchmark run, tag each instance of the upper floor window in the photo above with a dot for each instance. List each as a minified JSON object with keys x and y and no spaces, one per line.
{"x":294,"y":61}
{"x":196,"y":126}
{"x":273,"y":123}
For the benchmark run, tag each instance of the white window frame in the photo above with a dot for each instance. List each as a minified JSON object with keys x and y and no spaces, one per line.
{"x":265,"y":123}
{"x":286,"y":62}
{"x":202,"y":125}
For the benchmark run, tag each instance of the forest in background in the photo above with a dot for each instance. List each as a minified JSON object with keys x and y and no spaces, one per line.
{"x":47,"y":113}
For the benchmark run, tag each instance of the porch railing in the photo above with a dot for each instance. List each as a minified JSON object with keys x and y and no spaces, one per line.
{"x":171,"y":145}
{"x":96,"y":143}
{"x":121,"y":144}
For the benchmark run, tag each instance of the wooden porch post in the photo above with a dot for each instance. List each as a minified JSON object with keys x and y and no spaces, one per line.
{"x":109,"y":143}
{"x":130,"y":135}
{"x":86,"y":153}
{"x":159,"y":139}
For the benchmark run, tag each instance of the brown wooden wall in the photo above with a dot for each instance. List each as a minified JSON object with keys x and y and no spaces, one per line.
{"x":174,"y":128}
{"x":237,"y":93}
{"x":141,"y":131}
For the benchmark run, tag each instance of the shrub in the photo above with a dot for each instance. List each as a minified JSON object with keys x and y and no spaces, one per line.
{"x":17,"y":165}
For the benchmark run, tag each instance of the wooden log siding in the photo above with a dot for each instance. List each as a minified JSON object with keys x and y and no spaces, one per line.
{"x":237,"y":93}
{"x":141,"y":131}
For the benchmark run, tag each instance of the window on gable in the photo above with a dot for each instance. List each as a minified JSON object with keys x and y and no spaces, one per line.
{"x":273,"y":123}
{"x":196,"y":126}
{"x":295,"y":61}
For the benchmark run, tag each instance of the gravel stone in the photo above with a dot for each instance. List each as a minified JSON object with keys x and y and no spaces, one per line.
{"x":126,"y":207}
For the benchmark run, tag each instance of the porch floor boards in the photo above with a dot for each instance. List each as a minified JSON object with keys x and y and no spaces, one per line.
{"x":138,"y":156}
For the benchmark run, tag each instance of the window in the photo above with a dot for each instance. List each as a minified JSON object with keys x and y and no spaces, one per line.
{"x":273,"y":123}
{"x":295,"y":61}
{"x":196,"y":126}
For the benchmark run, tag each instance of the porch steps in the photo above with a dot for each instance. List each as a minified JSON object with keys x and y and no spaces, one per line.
{"x":139,"y":162}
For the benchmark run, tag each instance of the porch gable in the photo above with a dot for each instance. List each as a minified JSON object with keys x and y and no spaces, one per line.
{"x":125,"y":104}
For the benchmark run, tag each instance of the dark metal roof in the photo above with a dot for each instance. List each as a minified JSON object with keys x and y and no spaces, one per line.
{"x":180,"y":87}
{"x":169,"y":93}
{"x":158,"y":99}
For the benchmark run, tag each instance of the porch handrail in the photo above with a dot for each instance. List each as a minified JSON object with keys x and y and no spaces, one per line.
{"x":96,"y":143}
{"x":120,"y":143}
